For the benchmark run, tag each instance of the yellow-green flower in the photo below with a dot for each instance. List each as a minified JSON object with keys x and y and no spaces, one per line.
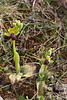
{"x":17,"y":26}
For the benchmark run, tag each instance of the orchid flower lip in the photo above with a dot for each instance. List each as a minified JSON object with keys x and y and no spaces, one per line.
{"x":13,"y":36}
{"x":46,"y":62}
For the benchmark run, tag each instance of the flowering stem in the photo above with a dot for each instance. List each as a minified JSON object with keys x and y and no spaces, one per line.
{"x":14,"y":50}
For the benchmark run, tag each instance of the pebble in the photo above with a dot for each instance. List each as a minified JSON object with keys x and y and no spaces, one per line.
{"x":1,"y":98}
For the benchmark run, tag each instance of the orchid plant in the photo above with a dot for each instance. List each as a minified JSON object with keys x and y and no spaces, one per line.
{"x":25,"y":70}
{"x":43,"y":73}
{"x":13,"y":32}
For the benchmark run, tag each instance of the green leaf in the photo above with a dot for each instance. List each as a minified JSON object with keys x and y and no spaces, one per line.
{"x":21,"y":98}
{"x":16,"y":58}
{"x":28,"y":70}
{"x":40,"y":86}
{"x":15,"y":77}
{"x":12,"y":78}
{"x":45,"y":77}
{"x":42,"y":70}
{"x":18,"y":77}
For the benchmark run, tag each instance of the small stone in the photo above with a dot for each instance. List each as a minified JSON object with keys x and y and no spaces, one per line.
{"x":52,"y":78}
{"x":1,"y":98}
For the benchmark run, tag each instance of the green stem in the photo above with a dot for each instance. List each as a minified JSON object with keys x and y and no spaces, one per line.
{"x":14,"y":50}
{"x":41,"y":81}
{"x":16,"y":58}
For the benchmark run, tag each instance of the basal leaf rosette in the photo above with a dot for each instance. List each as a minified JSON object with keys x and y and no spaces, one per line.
{"x":15,"y":77}
{"x":17,"y":26}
